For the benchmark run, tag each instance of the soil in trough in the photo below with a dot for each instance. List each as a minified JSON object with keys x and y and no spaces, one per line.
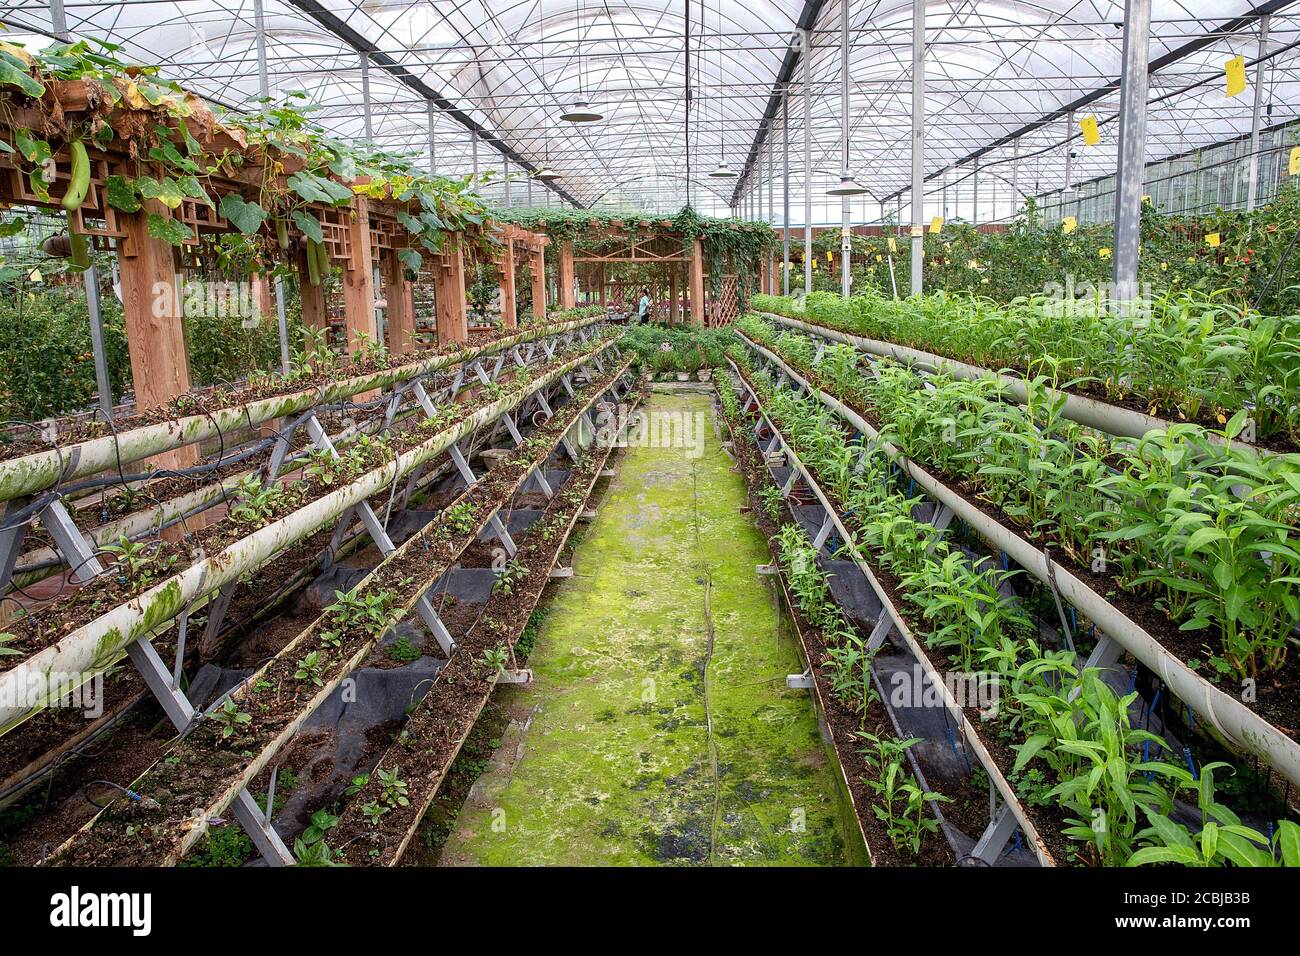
{"x":658,"y":729}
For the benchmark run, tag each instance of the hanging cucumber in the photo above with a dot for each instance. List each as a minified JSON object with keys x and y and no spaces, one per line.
{"x":323,"y":260}
{"x":79,"y":184}
{"x":282,"y":233}
{"x":313,"y":264}
{"x":80,"y":247}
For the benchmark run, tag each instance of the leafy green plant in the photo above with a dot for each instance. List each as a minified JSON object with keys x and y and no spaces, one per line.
{"x":493,"y":660}
{"x":230,"y":717}
{"x":901,"y":804}
{"x":310,"y":668}
{"x":403,"y":650}
{"x":392,"y":789}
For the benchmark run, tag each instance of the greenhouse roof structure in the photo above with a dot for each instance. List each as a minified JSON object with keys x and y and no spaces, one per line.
{"x":685,"y":86}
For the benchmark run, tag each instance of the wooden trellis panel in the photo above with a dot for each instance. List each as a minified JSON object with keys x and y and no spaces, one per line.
{"x":723,"y":307}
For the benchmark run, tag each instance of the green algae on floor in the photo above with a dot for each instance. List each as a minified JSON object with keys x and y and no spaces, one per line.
{"x":658,"y":728}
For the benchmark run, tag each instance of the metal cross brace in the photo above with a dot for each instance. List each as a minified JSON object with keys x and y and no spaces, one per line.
{"x":995,"y":836}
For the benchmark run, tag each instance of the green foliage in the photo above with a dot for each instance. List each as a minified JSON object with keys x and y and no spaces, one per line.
{"x":900,"y":804}
{"x":1078,"y":749}
{"x":230,"y":718}
{"x":1202,"y":527}
{"x":678,"y":348}
{"x":1031,"y":253}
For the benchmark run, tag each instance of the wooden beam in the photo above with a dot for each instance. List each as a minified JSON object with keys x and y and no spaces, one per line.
{"x":697,"y":283}
{"x":539,"y":284}
{"x":450,"y":293}
{"x":509,"y":308}
{"x":155,"y":332}
{"x":359,"y":280}
{"x":566,"y":275}
{"x":673,"y":292}
{"x":399,"y":314}
{"x":311,"y":296}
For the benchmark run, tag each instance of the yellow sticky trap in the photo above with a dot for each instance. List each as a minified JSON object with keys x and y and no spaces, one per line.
{"x":1091,"y":135}
{"x":1069,"y":224}
{"x":1213,"y":240}
{"x":1104,"y":252}
{"x":973,"y":264}
{"x":1235,"y":73}
{"x":814,"y":265}
{"x":1146,"y":199}
{"x":830,"y":257}
{"x":936,"y":224}
{"x":893,"y":246}
{"x":35,"y":276}
{"x":1294,"y":167}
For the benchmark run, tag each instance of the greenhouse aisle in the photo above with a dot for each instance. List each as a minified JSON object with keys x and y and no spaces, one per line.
{"x":664,"y":634}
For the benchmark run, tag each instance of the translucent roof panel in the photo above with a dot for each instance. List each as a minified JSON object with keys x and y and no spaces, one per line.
{"x":684,"y":86}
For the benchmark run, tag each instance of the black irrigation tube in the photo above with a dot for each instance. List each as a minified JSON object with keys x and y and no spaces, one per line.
{"x":1234,"y":724}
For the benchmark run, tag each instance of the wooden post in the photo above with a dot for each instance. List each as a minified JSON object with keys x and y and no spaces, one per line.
{"x":262,"y":296}
{"x":453,"y":326}
{"x":358,"y":280}
{"x":604,"y":289}
{"x":697,"y":283}
{"x":509,"y":308}
{"x":539,"y":284}
{"x":312,"y":297}
{"x":566,"y":275}
{"x":400,"y":327}
{"x":673,"y":292}
{"x":155,"y":333}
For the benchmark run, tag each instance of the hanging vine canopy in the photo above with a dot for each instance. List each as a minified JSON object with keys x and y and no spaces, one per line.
{"x":747,"y":241}
{"x":271,"y":170}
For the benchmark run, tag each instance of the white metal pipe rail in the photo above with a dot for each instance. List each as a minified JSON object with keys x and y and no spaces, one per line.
{"x":34,"y":473}
{"x":1103,"y":416}
{"x":1236,"y":724}
{"x":92,"y":648}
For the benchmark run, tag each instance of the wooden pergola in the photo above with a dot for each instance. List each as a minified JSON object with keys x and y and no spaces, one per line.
{"x":650,"y":243}
{"x":361,"y":238}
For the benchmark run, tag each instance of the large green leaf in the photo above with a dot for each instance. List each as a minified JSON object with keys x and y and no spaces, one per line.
{"x":308,"y":224}
{"x":166,"y":191}
{"x":168,"y":230}
{"x":247,"y":217}
{"x":121,"y":194}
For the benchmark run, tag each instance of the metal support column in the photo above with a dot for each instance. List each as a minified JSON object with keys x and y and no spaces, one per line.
{"x":91,"y":279}
{"x":846,"y":244}
{"x":785,"y":192}
{"x":1132,"y":148}
{"x":1015,"y":177}
{"x":365,"y":96}
{"x":433,"y":118}
{"x":1252,"y":187}
{"x":807,"y":161}
{"x":918,"y":142}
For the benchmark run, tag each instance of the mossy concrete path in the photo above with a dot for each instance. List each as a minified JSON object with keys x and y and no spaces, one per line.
{"x":658,"y":729}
